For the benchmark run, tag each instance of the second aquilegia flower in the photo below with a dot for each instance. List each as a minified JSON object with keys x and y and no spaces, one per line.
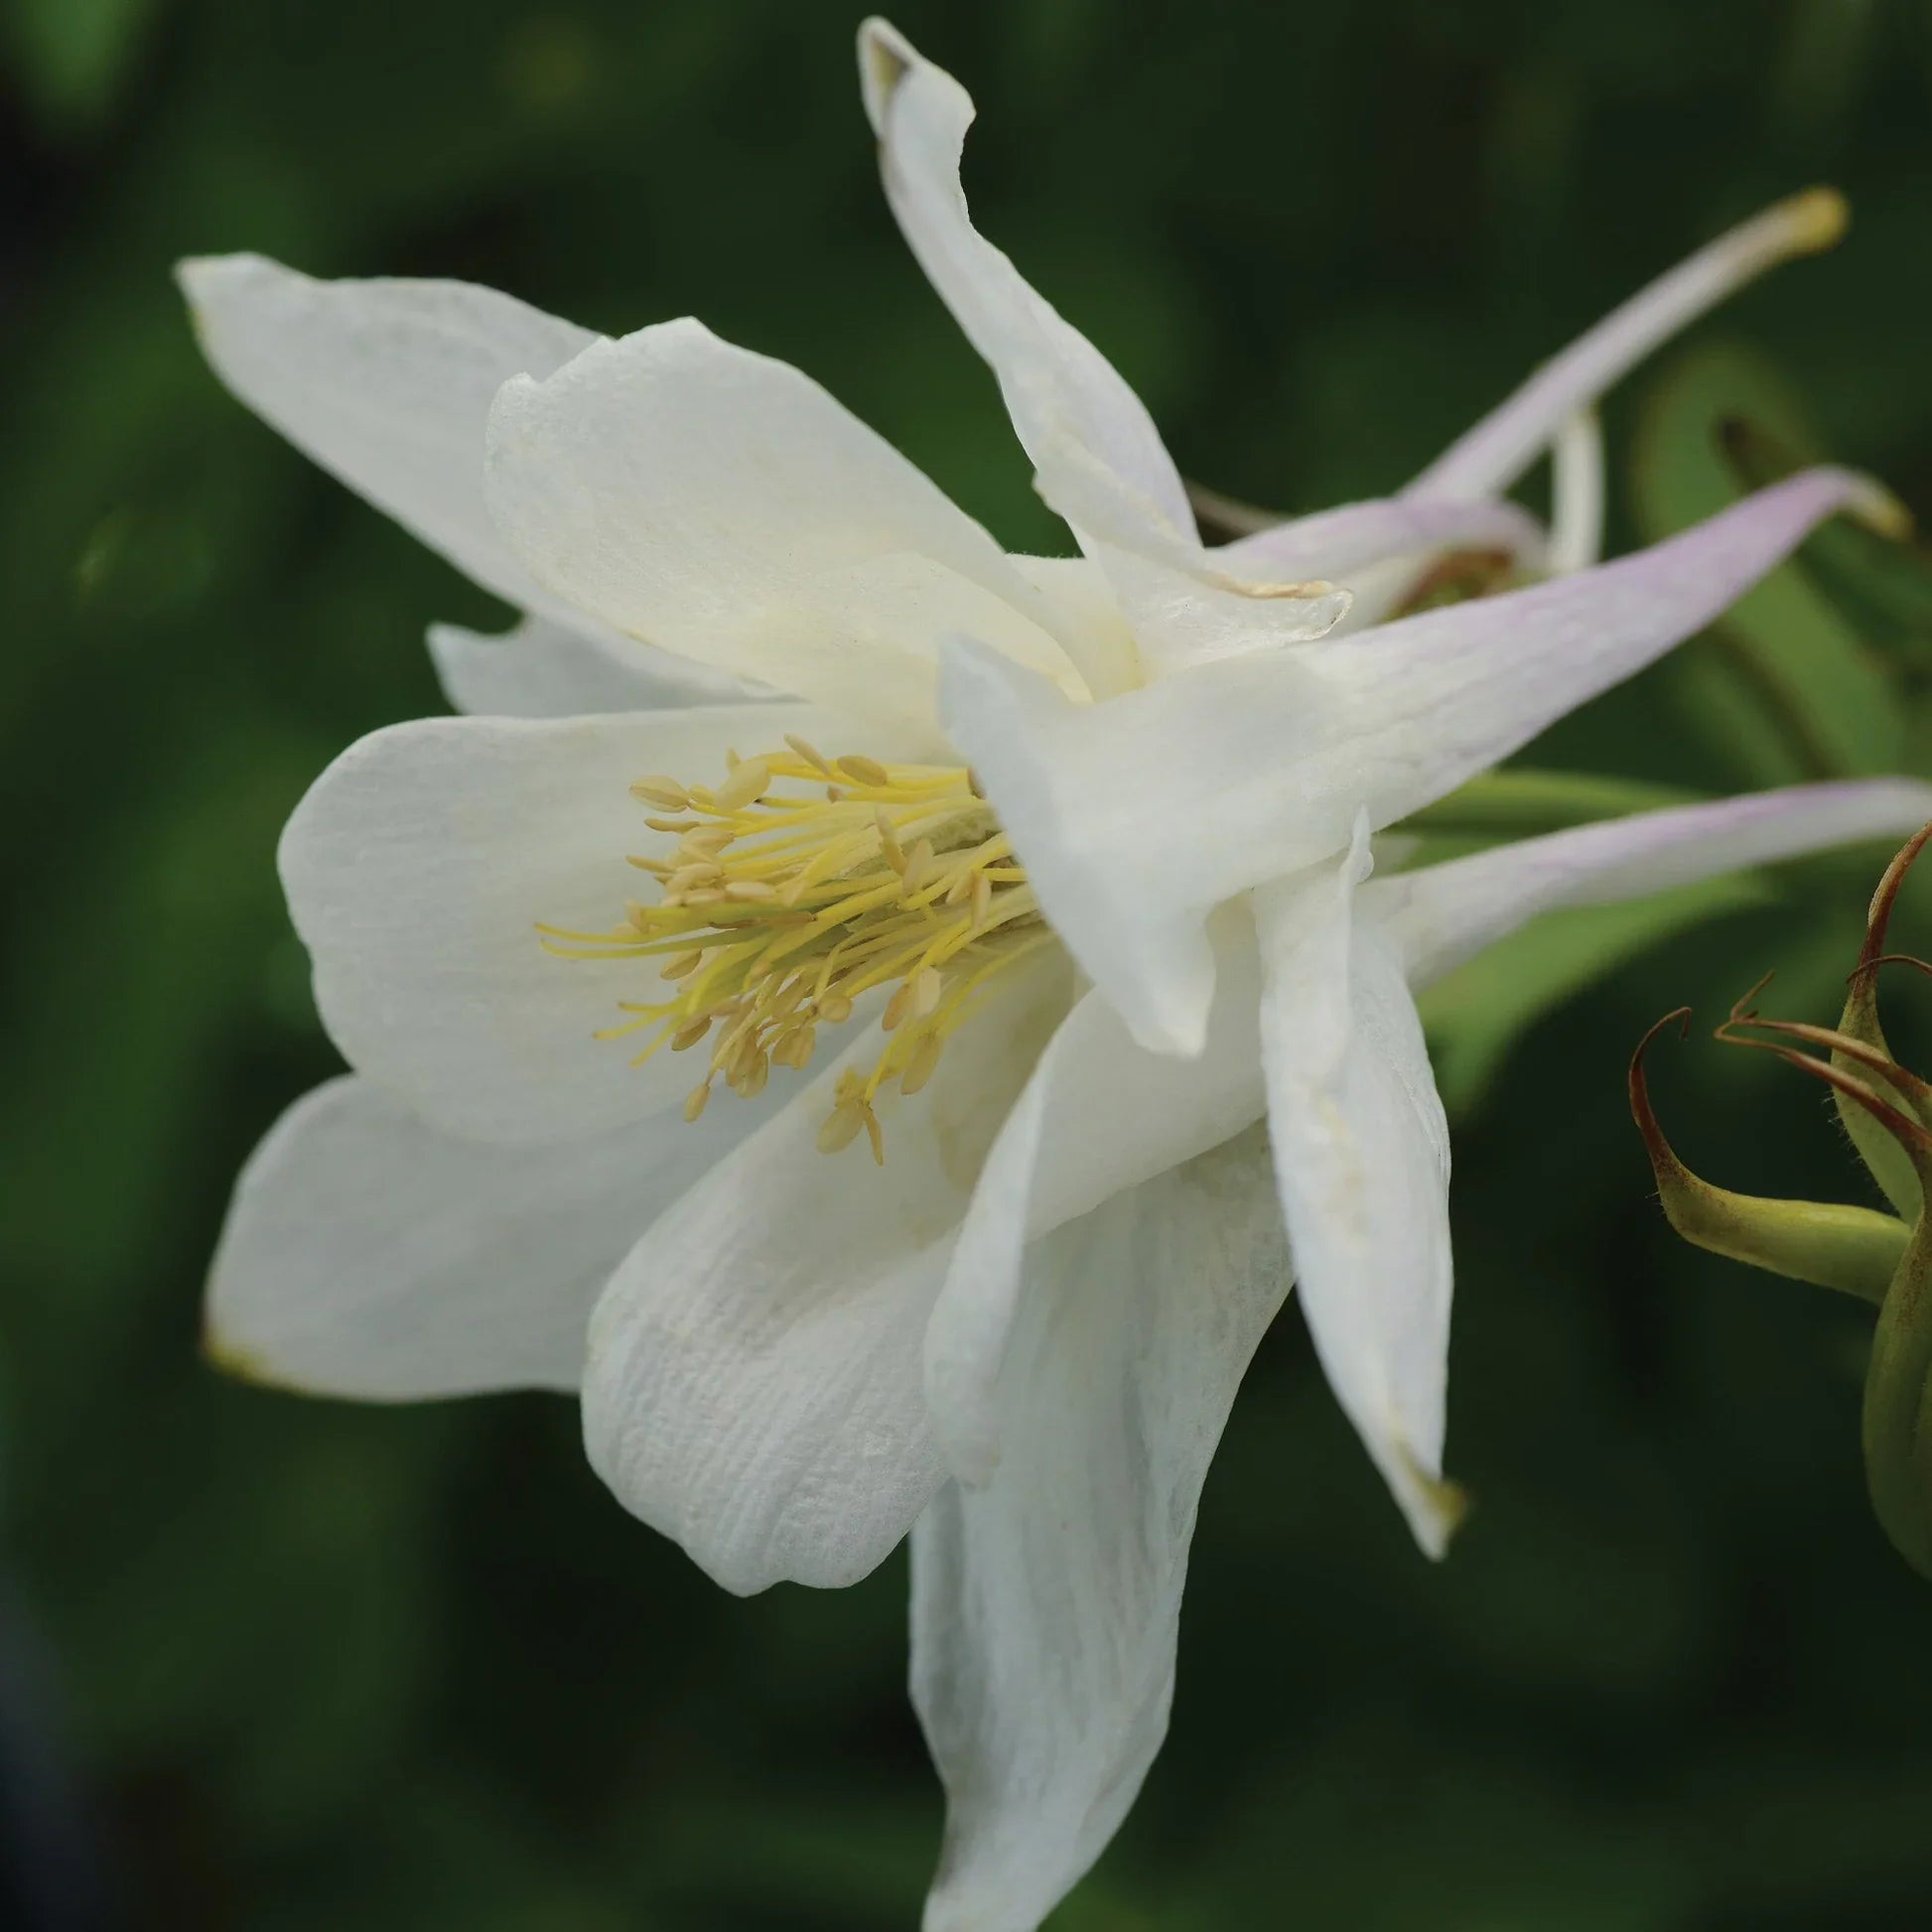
{"x":1088,"y":838}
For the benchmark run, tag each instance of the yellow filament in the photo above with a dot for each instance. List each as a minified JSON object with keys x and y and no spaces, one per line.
{"x":798,"y":885}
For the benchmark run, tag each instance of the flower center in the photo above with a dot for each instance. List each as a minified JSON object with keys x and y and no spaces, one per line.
{"x":797,"y":885}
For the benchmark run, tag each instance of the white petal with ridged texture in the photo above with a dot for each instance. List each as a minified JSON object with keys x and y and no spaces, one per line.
{"x":1362,"y":1159}
{"x":1135,"y":817}
{"x":753,"y":1387}
{"x":1046,"y":1604}
{"x":1442,"y":915}
{"x":369,"y":1254}
{"x":1099,"y":1115}
{"x":419,"y":866}
{"x":725,"y":506}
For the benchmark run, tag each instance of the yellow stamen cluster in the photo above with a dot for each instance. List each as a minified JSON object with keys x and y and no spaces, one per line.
{"x":799,"y":884}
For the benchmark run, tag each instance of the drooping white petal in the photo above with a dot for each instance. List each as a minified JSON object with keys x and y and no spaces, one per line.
{"x":1099,"y":461}
{"x":1493,"y":455}
{"x":1576,"y":488}
{"x":1361,"y":1156}
{"x":419,"y":866}
{"x":369,"y":1254}
{"x":1440,"y":915}
{"x":1134,"y":817}
{"x":1046,"y":1604}
{"x":725,"y":506}
{"x":1098,"y":1116}
{"x":541,"y":669}
{"x":753,"y":1385}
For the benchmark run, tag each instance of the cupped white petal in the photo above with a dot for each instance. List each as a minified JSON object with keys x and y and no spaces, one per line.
{"x":545,"y":670}
{"x":1136,"y":816}
{"x":1046,"y":1604}
{"x":419,"y":866}
{"x":1099,"y":459}
{"x":725,"y":506}
{"x":1493,"y":454}
{"x":369,"y":1254}
{"x":1442,"y":915}
{"x":1099,"y":1115}
{"x":753,"y":1385}
{"x":1361,"y":1156}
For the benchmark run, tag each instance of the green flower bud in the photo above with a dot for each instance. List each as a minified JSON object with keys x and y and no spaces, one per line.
{"x":1878,"y":1257}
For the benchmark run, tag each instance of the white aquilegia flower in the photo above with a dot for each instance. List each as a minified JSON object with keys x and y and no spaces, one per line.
{"x":847,"y":1066}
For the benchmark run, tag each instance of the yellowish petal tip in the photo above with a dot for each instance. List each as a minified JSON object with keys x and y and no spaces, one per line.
{"x":237,"y":1359}
{"x":1878,"y":510}
{"x":1815,"y":219}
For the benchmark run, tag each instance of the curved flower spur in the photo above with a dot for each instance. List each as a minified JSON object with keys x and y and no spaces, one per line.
{"x":1044,"y":880}
{"x":1885,"y":1258}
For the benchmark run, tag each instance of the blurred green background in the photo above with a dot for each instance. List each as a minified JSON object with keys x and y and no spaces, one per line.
{"x":309,"y":1666}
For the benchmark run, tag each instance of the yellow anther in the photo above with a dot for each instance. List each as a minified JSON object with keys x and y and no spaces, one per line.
{"x":812,"y":755}
{"x":785,"y":900}
{"x":918,"y":1070}
{"x":659,"y":790}
{"x":695,"y":1099}
{"x":749,"y":780}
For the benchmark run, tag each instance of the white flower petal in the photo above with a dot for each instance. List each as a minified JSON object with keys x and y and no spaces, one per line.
{"x":542,"y":669}
{"x":725,"y":506}
{"x":1493,"y":455}
{"x":1099,"y":459}
{"x":369,"y":1254}
{"x":1442,"y":915}
{"x":1136,"y":816}
{"x":418,"y":867}
{"x":753,"y":1385}
{"x":1069,"y":406}
{"x":1577,"y":490}
{"x":1046,"y":1604}
{"x":1357,"y":537}
{"x":385,"y":383}
{"x":1361,"y":1156}
{"x":1099,"y":1115}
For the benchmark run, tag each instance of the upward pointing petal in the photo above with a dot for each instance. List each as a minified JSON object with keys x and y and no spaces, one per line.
{"x":1100,"y":461}
{"x":1070,"y":407}
{"x":1493,"y":455}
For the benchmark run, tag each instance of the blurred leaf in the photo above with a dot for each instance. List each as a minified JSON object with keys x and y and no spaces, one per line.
{"x":1475,"y":1014}
{"x":76,"y":54}
{"x":1784,"y":688}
